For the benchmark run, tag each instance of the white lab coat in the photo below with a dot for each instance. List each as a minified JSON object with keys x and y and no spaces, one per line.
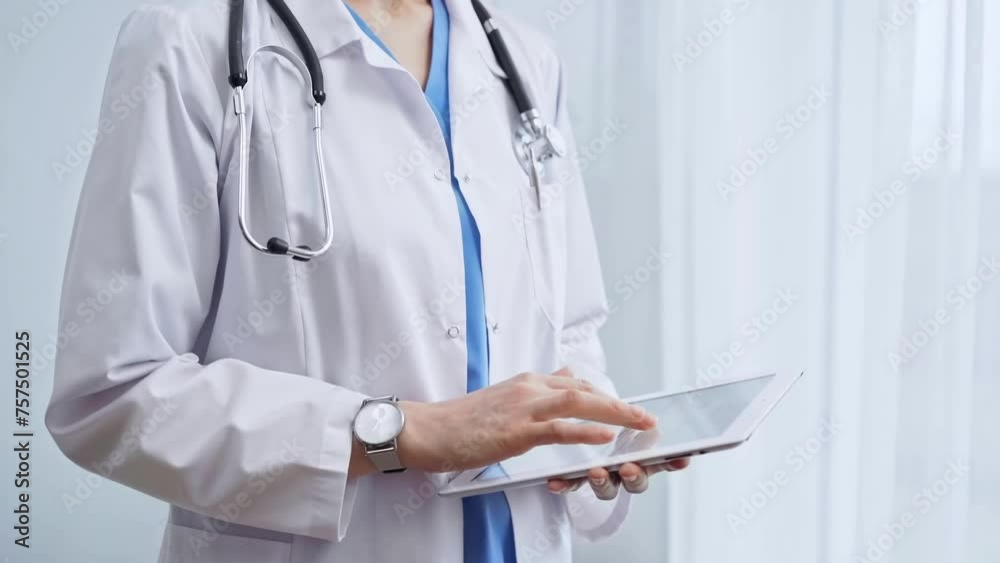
{"x":224,"y":381}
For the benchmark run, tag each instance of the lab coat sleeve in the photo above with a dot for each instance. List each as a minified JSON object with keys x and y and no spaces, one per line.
{"x":586,"y":311}
{"x":131,"y":402}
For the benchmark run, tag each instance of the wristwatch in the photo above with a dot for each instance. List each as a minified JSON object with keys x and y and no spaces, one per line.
{"x":376,"y":426}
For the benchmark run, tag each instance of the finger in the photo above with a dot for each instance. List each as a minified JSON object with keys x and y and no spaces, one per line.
{"x":678,"y":464}
{"x":672,"y":465}
{"x":563,"y":372}
{"x":656,"y":468}
{"x":564,"y":379}
{"x":559,"y":486}
{"x":562,"y":382}
{"x":634,"y":478}
{"x":562,"y":432}
{"x":564,"y":485}
{"x":603,"y":483}
{"x":573,"y":403}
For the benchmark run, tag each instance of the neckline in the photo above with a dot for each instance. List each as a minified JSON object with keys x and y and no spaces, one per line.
{"x":439,"y":38}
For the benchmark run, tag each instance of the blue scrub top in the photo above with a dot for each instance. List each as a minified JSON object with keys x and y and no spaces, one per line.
{"x":487,"y":528}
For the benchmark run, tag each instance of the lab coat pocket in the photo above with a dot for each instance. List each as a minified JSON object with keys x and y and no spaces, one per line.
{"x":189,"y":545}
{"x":544,"y":226}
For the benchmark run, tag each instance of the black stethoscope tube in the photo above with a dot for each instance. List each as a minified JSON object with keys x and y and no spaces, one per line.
{"x":238,"y":70}
{"x":534,"y":141}
{"x":237,"y":67}
{"x":520,"y":94}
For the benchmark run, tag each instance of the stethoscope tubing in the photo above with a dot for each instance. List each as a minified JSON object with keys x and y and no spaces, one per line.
{"x":534,"y":142}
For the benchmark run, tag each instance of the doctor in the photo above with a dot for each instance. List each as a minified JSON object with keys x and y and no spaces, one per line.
{"x":296,"y":411}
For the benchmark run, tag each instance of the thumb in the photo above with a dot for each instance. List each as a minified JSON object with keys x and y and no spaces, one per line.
{"x":563,"y":372}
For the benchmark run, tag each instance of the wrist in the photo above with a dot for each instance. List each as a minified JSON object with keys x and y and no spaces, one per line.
{"x":411,"y":445}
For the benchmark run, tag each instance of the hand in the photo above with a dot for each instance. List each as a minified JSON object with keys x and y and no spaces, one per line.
{"x":606,"y":484}
{"x":510,"y":418}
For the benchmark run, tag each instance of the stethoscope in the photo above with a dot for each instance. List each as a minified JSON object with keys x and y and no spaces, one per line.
{"x":535,"y":141}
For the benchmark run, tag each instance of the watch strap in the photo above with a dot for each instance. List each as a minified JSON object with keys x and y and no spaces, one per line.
{"x":385,"y":457}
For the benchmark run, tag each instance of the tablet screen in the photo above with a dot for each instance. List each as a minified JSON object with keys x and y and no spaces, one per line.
{"x":684,"y":417}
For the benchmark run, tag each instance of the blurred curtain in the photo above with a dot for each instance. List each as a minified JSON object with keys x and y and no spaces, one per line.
{"x":825,"y":177}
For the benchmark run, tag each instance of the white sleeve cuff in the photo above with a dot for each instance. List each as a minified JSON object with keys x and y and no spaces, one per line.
{"x":334,"y":501}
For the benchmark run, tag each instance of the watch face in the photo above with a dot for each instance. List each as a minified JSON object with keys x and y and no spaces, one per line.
{"x":378,"y":423}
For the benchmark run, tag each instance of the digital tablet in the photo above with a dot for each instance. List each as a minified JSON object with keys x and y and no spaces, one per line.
{"x":689,"y":423}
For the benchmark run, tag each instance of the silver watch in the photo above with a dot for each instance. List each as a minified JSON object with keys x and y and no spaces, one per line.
{"x":377,"y":426}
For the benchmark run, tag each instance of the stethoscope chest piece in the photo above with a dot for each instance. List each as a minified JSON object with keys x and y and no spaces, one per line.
{"x":536,"y":143}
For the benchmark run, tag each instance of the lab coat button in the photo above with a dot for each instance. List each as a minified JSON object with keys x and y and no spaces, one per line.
{"x":467,"y":178}
{"x":453,"y":332}
{"x":440,"y":174}
{"x":496,"y":328}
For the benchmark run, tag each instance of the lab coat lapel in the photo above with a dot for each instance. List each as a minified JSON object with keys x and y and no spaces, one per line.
{"x":327,"y":23}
